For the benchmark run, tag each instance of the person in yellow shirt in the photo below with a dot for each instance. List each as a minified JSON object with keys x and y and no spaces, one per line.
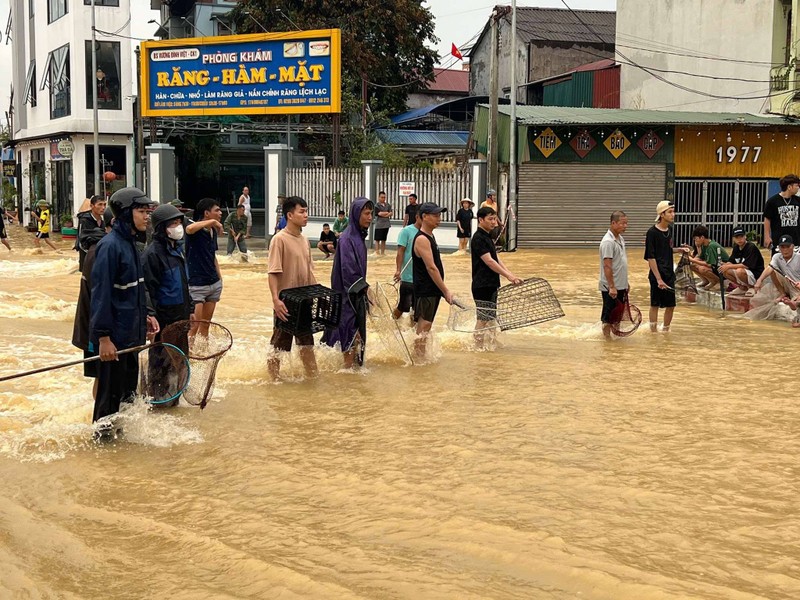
{"x":43,"y":226}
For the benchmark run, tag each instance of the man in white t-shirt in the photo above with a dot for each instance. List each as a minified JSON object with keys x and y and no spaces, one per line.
{"x":244,"y":200}
{"x":613,"y":269}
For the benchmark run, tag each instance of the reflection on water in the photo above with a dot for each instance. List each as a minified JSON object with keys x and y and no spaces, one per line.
{"x":559,"y":466}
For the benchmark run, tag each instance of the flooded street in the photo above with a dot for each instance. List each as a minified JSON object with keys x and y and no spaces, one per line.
{"x":561,"y":466}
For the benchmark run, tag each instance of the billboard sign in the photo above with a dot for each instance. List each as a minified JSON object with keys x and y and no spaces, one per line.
{"x":258,"y":74}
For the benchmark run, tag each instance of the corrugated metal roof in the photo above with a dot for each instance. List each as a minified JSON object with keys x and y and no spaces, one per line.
{"x":408,"y":137}
{"x":450,"y":80}
{"x":561,"y":25}
{"x":557,"y":115}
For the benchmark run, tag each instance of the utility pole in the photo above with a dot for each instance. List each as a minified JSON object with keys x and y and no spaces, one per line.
{"x":491,"y":146}
{"x":512,"y":157}
{"x":96,"y":131}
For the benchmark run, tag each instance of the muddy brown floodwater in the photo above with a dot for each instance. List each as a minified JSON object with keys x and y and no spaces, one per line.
{"x":559,"y":466}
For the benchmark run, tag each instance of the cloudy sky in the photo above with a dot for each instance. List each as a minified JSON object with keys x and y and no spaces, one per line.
{"x":453,"y":25}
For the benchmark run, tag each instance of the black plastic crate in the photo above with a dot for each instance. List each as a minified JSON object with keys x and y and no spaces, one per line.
{"x":312,"y":308}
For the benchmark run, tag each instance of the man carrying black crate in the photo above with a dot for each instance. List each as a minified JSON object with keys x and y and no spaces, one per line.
{"x":290,"y":266}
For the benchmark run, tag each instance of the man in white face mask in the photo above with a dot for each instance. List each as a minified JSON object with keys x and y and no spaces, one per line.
{"x":164,"y":265}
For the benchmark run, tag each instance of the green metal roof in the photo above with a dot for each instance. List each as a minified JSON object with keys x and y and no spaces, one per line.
{"x":558,"y":115}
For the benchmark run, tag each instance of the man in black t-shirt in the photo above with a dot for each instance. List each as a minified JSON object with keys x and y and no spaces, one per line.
{"x":327,"y":241}
{"x":486,"y":270}
{"x":205,"y":277}
{"x":659,"y":248}
{"x":745,"y":264}
{"x":410,"y":216}
{"x":782,"y":213}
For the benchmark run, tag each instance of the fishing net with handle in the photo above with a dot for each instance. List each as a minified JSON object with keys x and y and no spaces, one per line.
{"x":383,"y":297}
{"x":205,"y":343}
{"x":164,"y":373}
{"x":625,"y":318}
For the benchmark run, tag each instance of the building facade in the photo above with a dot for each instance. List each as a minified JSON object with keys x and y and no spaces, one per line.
{"x":715,"y":55}
{"x":52,"y":113}
{"x":577,"y":165}
{"x":549,"y":42}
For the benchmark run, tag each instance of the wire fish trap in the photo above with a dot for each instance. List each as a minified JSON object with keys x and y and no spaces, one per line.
{"x":383,"y":298}
{"x":204,"y":348}
{"x":625,"y":319}
{"x":164,"y":373}
{"x":528,"y":303}
{"x":312,"y":308}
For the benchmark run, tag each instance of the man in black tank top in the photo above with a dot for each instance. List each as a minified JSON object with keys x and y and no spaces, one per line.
{"x":429,"y":285}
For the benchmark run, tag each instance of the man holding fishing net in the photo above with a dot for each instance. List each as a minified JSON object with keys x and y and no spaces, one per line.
{"x":486,"y":270}
{"x":613,"y":269}
{"x":119,"y":318}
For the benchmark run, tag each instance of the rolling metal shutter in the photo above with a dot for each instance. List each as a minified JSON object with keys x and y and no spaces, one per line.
{"x":566,"y":204}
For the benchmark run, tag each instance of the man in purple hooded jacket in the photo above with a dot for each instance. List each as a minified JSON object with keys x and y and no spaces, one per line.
{"x":349,"y":277}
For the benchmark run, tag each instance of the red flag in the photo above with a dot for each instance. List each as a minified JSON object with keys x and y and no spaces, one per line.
{"x":455,"y":52}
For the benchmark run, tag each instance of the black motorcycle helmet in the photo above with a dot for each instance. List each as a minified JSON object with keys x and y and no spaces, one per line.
{"x":128,"y":198}
{"x":164,"y":214}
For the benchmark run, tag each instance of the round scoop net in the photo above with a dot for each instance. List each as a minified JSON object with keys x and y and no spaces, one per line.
{"x":205,"y":343}
{"x":528,"y":303}
{"x":383,"y":298}
{"x":625,"y":319}
{"x":164,"y":373}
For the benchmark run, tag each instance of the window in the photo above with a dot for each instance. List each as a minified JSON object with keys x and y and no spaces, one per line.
{"x":29,"y":96}
{"x":106,"y":77}
{"x":101,"y":2}
{"x":57,"y":78}
{"x":56,"y":9}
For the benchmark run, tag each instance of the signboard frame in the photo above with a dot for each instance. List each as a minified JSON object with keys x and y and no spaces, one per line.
{"x":334,"y":106}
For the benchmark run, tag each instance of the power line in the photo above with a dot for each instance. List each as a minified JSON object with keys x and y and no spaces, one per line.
{"x":663,"y":79}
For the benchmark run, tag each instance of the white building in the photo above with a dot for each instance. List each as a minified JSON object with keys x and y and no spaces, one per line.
{"x":715,"y":55}
{"x":52,"y":104}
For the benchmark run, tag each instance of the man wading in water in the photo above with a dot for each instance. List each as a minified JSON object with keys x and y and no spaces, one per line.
{"x":429,"y":287}
{"x":119,"y":317}
{"x":659,"y":248}
{"x":349,"y":277}
{"x":290,"y":266}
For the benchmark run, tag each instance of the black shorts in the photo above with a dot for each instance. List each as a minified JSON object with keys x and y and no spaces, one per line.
{"x":485,"y":303}
{"x":42,"y":236}
{"x":426,"y":307}
{"x":381,"y":234}
{"x":609,"y":304}
{"x":467,"y":233}
{"x":90,"y":368}
{"x":662,"y":298}
{"x":3,"y":234}
{"x":282,"y":339}
{"x":406,"y":297}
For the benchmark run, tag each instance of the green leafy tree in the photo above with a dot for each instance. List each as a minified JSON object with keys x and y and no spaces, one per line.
{"x":383,"y":42}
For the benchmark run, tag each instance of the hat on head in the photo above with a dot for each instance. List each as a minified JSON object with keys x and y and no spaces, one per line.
{"x":491,"y":192}
{"x":662,"y":207}
{"x":429,"y":208}
{"x":176,"y":202}
{"x":737,"y":231}
{"x":41,"y":203}
{"x":786,"y":240}
{"x":471,"y":203}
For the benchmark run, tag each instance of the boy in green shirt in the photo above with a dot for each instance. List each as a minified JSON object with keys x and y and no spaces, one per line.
{"x":706,"y":258}
{"x":340,"y":224}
